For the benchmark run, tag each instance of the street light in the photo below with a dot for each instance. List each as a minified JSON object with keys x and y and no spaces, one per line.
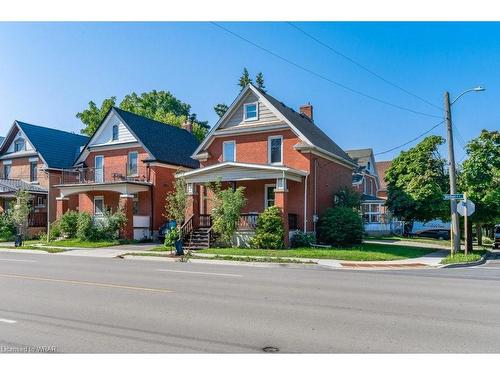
{"x":455,"y":225}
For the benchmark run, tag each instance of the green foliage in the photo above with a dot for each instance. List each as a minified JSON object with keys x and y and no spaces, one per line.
{"x":7,"y":227}
{"x":269,"y":233}
{"x":93,"y":115}
{"x":303,"y":239}
{"x":68,"y":223}
{"x":161,"y":106}
{"x":479,"y":176}
{"x":21,"y":210}
{"x":114,"y":223}
{"x":176,"y":201}
{"x":259,"y":80}
{"x":347,"y":197}
{"x":244,"y":79}
{"x":227,"y":206}
{"x":416,"y":182}
{"x":84,"y":227}
{"x":221,"y":109}
{"x":340,"y":226}
{"x":171,"y":236}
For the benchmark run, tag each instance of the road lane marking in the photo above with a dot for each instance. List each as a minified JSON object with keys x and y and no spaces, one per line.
{"x":19,"y":260}
{"x":79,"y":282}
{"x":7,"y":321}
{"x":204,"y":273}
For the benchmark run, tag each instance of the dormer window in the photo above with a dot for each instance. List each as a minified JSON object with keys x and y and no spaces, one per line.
{"x":251,"y":111}
{"x":18,"y":145}
{"x":369,"y":166}
{"x":115,"y":133}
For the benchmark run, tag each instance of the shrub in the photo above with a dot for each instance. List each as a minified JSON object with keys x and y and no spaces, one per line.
{"x":7,"y":227}
{"x":171,"y":236}
{"x":340,"y":226}
{"x":269,"y":233}
{"x":68,"y":223}
{"x":84,"y":226}
{"x":114,"y":223}
{"x":303,"y":239}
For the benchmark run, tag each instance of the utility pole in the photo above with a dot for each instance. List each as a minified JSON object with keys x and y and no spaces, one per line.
{"x":455,"y":225}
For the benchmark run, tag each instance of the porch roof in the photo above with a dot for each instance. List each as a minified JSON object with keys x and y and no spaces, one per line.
{"x":234,"y":171}
{"x":122,"y":187}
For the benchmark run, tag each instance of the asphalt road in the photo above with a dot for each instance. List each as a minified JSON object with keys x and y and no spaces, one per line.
{"x":82,"y":304}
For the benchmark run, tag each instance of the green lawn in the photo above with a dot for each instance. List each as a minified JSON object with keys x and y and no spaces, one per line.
{"x":462,"y":258}
{"x":75,"y":243}
{"x":408,"y":239}
{"x":363,"y":252}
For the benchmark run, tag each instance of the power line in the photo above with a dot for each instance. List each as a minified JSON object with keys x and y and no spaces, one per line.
{"x":322,"y":76}
{"x":410,"y":141}
{"x":362,"y":66}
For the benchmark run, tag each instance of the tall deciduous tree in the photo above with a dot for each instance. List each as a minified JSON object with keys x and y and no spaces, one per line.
{"x":416,"y":182}
{"x":161,"y":106}
{"x":479,"y":177}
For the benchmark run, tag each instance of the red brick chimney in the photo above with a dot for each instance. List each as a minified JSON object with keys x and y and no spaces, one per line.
{"x":307,"y":110}
{"x":188,"y":126}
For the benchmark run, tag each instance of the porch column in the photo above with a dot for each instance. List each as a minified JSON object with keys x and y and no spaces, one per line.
{"x":62,"y":205}
{"x":193,"y":205}
{"x":281,"y":201}
{"x":127,"y":205}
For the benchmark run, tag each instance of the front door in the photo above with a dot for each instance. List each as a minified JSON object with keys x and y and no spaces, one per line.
{"x":99,"y":168}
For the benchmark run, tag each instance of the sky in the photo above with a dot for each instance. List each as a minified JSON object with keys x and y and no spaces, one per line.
{"x":50,"y":71}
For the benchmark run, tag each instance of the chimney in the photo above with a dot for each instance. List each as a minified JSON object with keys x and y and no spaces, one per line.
{"x":188,"y":126}
{"x":307,"y":110}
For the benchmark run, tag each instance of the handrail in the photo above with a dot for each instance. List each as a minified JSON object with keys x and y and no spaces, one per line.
{"x":189,"y":224}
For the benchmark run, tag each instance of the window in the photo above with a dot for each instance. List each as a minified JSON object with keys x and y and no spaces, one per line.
{"x":275,"y":149}
{"x":99,"y":169}
{"x":6,"y":171}
{"x":40,"y":202}
{"x":33,"y":171}
{"x":19,"y":145}
{"x":98,"y":206}
{"x":269,"y":196}
{"x":369,"y":166}
{"x":135,"y":204}
{"x":251,"y":111}
{"x":132,"y":164}
{"x":115,"y":133}
{"x":229,"y":151}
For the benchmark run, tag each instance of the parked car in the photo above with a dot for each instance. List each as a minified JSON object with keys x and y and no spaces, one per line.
{"x":496,"y":243}
{"x":439,"y":234}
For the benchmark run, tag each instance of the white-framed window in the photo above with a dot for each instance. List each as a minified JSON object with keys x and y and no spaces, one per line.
{"x":99,"y":168}
{"x":251,"y":111}
{"x":99,"y":206}
{"x":190,"y":188}
{"x":115,"y":133}
{"x":229,"y":151}
{"x":373,"y":213}
{"x":6,"y":170}
{"x":269,"y":195}
{"x":281,"y":183}
{"x":275,"y":149}
{"x":132,"y":163}
{"x":19,"y":145}
{"x":40,"y":202}
{"x":33,"y":171}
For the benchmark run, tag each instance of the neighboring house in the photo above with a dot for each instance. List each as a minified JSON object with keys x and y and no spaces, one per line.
{"x":129,"y":162}
{"x":382,"y":167}
{"x":32,"y":158}
{"x":280,"y":156}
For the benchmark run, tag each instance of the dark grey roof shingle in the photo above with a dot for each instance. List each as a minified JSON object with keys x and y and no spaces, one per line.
{"x":7,"y":185}
{"x":312,"y":132}
{"x":58,"y":148}
{"x":168,"y":144}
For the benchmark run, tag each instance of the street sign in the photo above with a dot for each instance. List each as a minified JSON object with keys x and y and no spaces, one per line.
{"x":466,"y":207}
{"x":449,"y":197}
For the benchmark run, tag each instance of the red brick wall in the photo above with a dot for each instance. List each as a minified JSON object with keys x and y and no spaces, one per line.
{"x":163,"y":182}
{"x":115,"y":161}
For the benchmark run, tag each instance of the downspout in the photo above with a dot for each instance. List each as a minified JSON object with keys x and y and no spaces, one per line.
{"x":305,"y":202}
{"x":315,"y":192}
{"x":151,"y":195}
{"x":48,"y":208}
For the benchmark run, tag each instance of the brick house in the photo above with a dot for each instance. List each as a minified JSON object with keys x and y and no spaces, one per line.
{"x":129,"y":162}
{"x":32,"y":158}
{"x":382,"y":167}
{"x":280,"y":156}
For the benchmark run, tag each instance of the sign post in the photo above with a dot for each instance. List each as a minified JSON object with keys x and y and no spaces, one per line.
{"x":467,"y":208}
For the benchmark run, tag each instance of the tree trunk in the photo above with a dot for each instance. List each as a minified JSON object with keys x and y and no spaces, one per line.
{"x":479,"y":234}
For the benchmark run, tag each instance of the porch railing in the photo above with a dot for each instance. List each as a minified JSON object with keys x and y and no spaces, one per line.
{"x":187,"y":228}
{"x":37,"y":219}
{"x":248,"y":221}
{"x":205,"y":221}
{"x":104,"y":175}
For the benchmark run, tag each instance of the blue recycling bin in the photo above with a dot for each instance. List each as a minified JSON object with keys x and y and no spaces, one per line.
{"x":178,"y":248}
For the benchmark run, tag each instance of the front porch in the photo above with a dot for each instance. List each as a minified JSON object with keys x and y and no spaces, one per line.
{"x":265,"y":186}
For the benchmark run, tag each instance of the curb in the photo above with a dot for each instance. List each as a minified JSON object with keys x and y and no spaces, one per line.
{"x":470,"y":264}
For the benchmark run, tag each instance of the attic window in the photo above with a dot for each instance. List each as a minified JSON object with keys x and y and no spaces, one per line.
{"x":251,"y":111}
{"x":19,"y":145}
{"x":115,"y":133}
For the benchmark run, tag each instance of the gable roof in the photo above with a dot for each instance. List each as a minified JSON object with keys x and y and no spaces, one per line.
{"x":309,"y":133}
{"x":57,"y":148}
{"x":382,"y":167}
{"x":361,"y":156}
{"x":166,"y":143}
{"x":1,"y":139}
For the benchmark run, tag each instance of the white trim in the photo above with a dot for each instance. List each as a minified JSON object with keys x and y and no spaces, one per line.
{"x":136,"y":163}
{"x":33,"y":159}
{"x":269,"y":139}
{"x":256,"y":118}
{"x":244,"y":165}
{"x":7,"y":162}
{"x":324,"y":154}
{"x":97,"y":197}
{"x":234,"y":150}
{"x":265,"y":194}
